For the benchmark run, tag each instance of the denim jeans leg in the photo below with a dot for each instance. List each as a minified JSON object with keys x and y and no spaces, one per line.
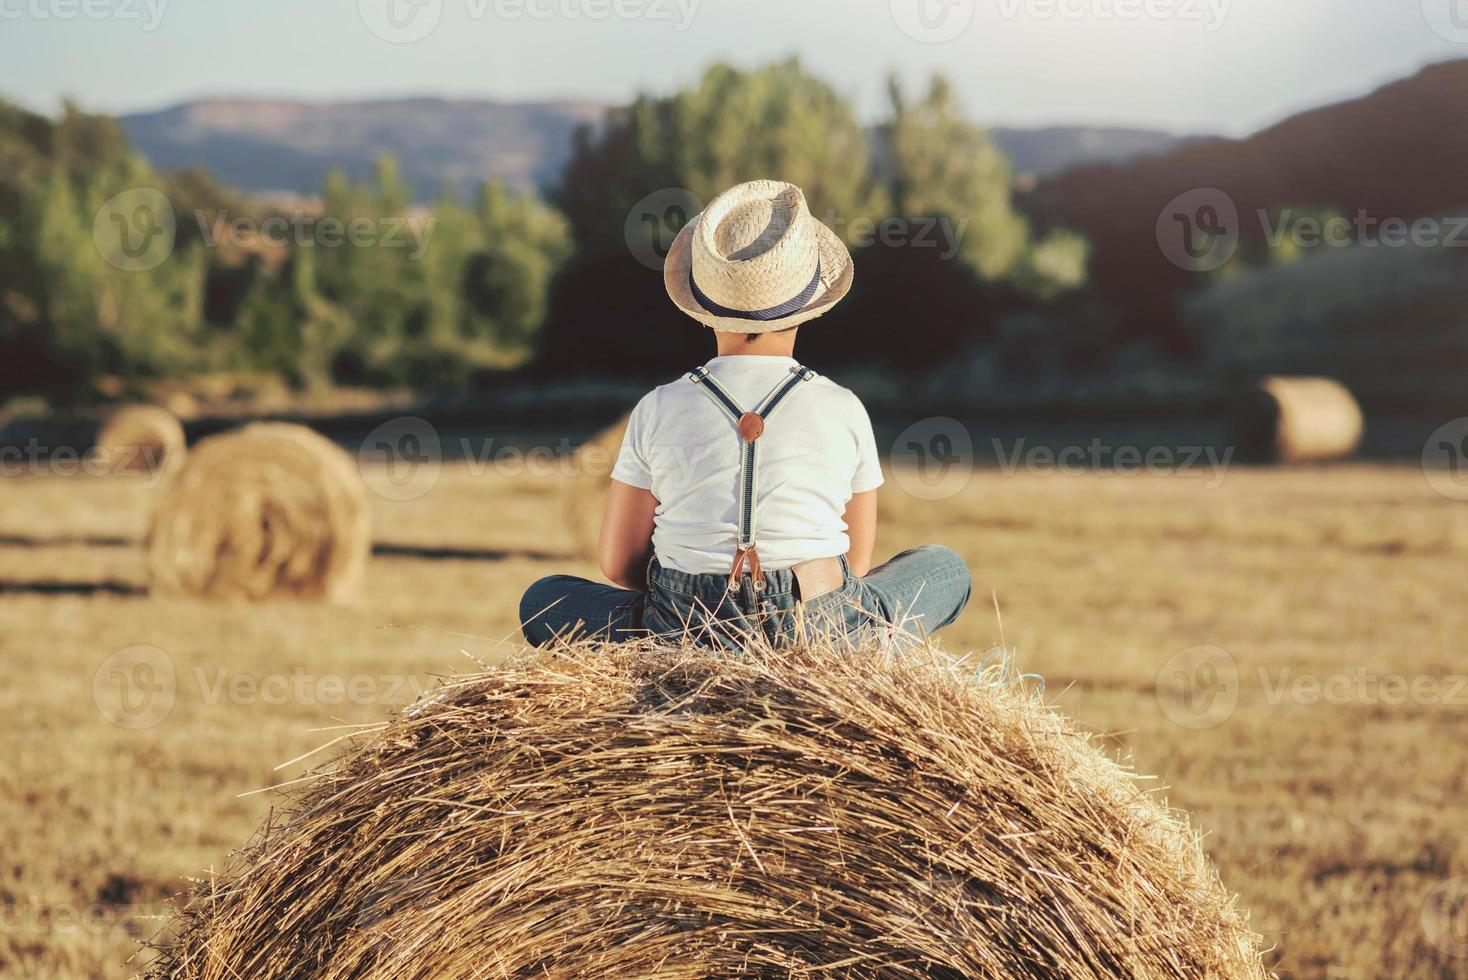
{"x":567,"y":606}
{"x":922,"y":590}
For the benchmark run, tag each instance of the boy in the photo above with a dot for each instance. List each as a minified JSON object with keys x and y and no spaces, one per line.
{"x":744,"y":496}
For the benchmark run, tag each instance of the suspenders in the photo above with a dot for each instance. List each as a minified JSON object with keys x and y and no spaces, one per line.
{"x":751,"y":425}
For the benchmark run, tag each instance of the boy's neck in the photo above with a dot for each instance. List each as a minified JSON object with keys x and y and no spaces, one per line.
{"x":777,"y":344}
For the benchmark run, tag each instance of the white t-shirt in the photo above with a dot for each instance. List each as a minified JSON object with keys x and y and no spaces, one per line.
{"x":816,"y":451}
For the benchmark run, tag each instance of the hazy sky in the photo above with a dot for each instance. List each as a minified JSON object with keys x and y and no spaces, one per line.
{"x":1186,"y":65}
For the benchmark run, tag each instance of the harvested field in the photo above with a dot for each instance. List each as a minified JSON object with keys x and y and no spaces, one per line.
{"x":1331,"y":795}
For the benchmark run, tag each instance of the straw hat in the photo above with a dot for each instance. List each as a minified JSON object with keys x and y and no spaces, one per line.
{"x":756,"y":260}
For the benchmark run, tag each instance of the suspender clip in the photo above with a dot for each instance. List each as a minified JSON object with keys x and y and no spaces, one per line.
{"x":756,"y":571}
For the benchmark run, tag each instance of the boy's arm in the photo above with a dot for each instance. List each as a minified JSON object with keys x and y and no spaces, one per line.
{"x":625,"y":544}
{"x":861,"y":528}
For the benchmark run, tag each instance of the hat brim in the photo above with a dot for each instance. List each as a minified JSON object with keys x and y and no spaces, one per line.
{"x":836,"y":275}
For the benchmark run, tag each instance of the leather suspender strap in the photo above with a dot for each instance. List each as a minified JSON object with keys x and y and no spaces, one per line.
{"x":750,"y":426}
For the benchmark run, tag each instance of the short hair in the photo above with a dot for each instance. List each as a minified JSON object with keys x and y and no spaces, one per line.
{"x":751,"y":337}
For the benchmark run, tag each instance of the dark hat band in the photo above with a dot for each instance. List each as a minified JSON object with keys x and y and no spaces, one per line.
{"x":792,"y":305}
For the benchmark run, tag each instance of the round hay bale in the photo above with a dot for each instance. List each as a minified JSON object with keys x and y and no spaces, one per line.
{"x":586,"y":495}
{"x":1300,"y":420}
{"x":182,"y":404}
{"x":635,"y":811}
{"x":141,"y":439}
{"x":271,"y":510}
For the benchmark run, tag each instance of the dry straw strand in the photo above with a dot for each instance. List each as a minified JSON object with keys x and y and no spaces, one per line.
{"x":272,"y":510}
{"x":657,"y":811}
{"x":141,"y":439}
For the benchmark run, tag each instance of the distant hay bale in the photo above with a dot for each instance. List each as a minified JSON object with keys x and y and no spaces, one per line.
{"x":272,"y":510}
{"x":644,"y":811}
{"x":182,"y":404}
{"x":141,"y":439}
{"x":586,"y":497}
{"x":1300,"y":420}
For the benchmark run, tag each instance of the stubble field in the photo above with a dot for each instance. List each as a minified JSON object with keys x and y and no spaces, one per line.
{"x":1284,"y":651}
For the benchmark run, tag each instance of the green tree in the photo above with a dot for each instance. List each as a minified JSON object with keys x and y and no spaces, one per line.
{"x":632,"y":185}
{"x":435,"y":295}
{"x":777,"y":121}
{"x":939,"y":163}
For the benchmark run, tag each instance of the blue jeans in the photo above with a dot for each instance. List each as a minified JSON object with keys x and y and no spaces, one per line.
{"x":919,"y":591}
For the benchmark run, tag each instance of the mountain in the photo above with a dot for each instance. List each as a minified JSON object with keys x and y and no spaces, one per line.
{"x":288,"y":147}
{"x":1397,"y":153}
{"x":1051,"y":150}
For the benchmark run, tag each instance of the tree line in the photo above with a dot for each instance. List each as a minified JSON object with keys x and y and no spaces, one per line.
{"x":112,"y":270}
